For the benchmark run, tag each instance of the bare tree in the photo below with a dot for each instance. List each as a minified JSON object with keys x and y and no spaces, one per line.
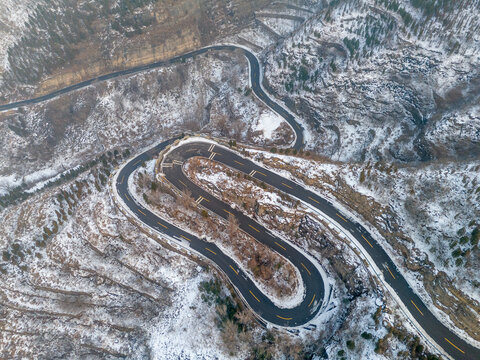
{"x":292,"y":349}
{"x":245,"y":317}
{"x":221,"y":124}
{"x":185,"y":199}
{"x":144,"y":180}
{"x":221,"y":310}
{"x":230,"y":336}
{"x":232,"y":226}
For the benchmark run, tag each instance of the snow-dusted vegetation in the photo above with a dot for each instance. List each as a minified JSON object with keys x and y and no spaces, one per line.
{"x":385,"y":80}
{"x":409,"y":207}
{"x":388,"y":91}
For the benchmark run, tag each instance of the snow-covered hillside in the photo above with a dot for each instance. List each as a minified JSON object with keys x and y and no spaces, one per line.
{"x":376,"y":85}
{"x":389,"y":91}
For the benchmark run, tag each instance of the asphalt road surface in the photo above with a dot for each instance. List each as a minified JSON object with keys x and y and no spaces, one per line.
{"x":260,"y":303}
{"x":456,"y":347}
{"x":255,"y":77}
{"x":172,"y":168}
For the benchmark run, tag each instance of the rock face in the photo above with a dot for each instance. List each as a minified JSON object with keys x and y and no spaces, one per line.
{"x":83,"y":39}
{"x":326,"y":248}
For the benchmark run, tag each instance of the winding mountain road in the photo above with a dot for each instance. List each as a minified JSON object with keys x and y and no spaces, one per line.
{"x":313,"y":283}
{"x":172,"y":169}
{"x":261,"y":304}
{"x":256,"y":77}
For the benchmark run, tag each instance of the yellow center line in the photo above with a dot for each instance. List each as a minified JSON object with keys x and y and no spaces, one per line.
{"x":138,"y":162}
{"x":231,"y":267}
{"x":259,"y":172}
{"x":463,"y":352}
{"x":280,"y":245}
{"x":127,"y":197}
{"x":140,"y":211}
{"x":254,"y":295}
{"x":313,"y":200}
{"x":309,"y":273}
{"x":254,"y":228}
{"x":239,"y":163}
{"x":185,"y":238}
{"x":159,"y":223}
{"x":393,"y":276}
{"x":183,"y":183}
{"x":364,"y":238}
{"x":416,"y":307}
{"x":311,"y":302}
{"x":200,"y":199}
{"x":341,"y":217}
{"x":280,"y":317}
{"x":213,"y":252}
{"x":288,"y":186}
{"x":228,"y":212}
{"x":123,"y":177}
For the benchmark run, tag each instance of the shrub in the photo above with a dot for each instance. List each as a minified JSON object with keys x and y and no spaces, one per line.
{"x":475,"y":236}
{"x":463,"y":240}
{"x":351,"y":44}
{"x":367,"y":336}
{"x":303,"y":74}
{"x":362,"y":176}
{"x":333,"y":66}
{"x":204,"y":213}
{"x":457,"y":252}
{"x":289,"y":86}
{"x":376,"y":316}
{"x":6,"y":256}
{"x":350,"y":344}
{"x":381,"y":346}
